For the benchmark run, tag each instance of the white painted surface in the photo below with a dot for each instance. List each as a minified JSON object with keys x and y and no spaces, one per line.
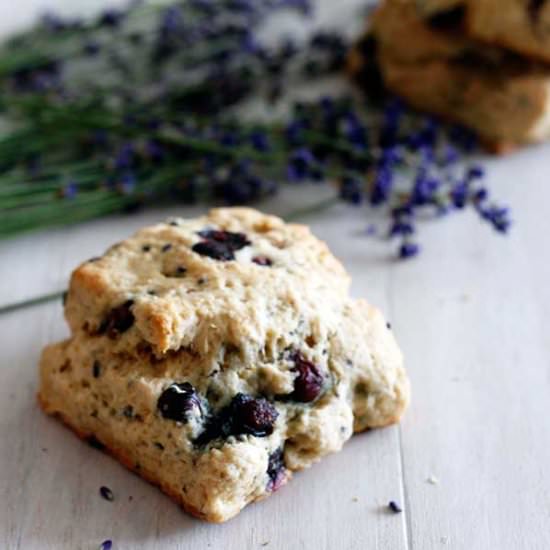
{"x":473,"y":317}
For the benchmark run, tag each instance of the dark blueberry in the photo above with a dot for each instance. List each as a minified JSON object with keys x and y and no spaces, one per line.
{"x":220,"y":245}
{"x":159,"y":446}
{"x":119,"y":320}
{"x":262,"y":260}
{"x":394,"y":507}
{"x":146,"y":247}
{"x":96,"y":369}
{"x":166,"y":247}
{"x":180,"y":270}
{"x":244,"y":415}
{"x":308,"y":382}
{"x":128,"y":411}
{"x":106,"y":493}
{"x":215,"y":427}
{"x":234,"y":241}
{"x":276,"y":470}
{"x":254,"y":416}
{"x":177,"y":401}
{"x":214,"y":250}
{"x":106,"y":545}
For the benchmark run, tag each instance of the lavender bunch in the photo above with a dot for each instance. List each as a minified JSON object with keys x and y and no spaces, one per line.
{"x":141,"y":107}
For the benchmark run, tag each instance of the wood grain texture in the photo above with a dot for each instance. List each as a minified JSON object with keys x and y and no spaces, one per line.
{"x":472,"y":317}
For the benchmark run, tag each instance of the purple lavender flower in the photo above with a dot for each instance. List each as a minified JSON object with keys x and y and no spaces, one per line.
{"x":171,"y":20}
{"x":450,"y":155}
{"x":127,"y":183}
{"x":154,"y":151}
{"x":382,"y":186}
{"x":481,"y":195}
{"x":475,"y":172}
{"x":125,"y":157}
{"x":356,"y":133}
{"x":401,"y":228}
{"x":53,"y":22}
{"x":91,"y":48}
{"x":70,"y":190}
{"x":408,"y":250}
{"x":260,"y":141}
{"x":110,"y":18}
{"x":300,"y":164}
{"x":459,"y":194}
{"x":498,"y":217}
{"x":424,"y":189}
{"x":350,"y":190}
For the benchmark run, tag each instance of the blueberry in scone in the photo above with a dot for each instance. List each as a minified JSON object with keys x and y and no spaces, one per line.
{"x":219,"y":384}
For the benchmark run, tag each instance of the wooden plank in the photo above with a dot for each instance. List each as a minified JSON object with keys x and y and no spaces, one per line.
{"x":472,"y":317}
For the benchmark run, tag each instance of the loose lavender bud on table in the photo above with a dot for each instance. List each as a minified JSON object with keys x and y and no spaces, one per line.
{"x":394,"y":507}
{"x":106,"y":493}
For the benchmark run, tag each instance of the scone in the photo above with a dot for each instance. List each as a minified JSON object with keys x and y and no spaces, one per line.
{"x":218,"y":355}
{"x":519,"y":25}
{"x":435,"y":67}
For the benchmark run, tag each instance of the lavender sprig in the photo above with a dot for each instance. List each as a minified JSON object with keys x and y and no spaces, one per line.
{"x":77,"y":151}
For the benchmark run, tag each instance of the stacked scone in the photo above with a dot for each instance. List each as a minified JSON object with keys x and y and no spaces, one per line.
{"x":481,"y":63}
{"x":215,"y":356}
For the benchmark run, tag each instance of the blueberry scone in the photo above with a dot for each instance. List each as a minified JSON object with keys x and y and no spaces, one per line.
{"x":218,"y":355}
{"x":436,"y":67}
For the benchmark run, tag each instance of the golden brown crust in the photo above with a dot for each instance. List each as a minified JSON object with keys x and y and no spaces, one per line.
{"x":121,"y":456}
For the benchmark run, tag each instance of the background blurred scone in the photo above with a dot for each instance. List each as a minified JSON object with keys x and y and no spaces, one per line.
{"x":520,"y":25}
{"x":433,"y":64}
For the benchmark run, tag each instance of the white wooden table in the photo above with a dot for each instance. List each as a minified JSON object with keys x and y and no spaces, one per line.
{"x":473,"y":318}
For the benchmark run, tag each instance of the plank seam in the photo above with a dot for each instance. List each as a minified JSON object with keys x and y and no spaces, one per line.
{"x":404,"y":491}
